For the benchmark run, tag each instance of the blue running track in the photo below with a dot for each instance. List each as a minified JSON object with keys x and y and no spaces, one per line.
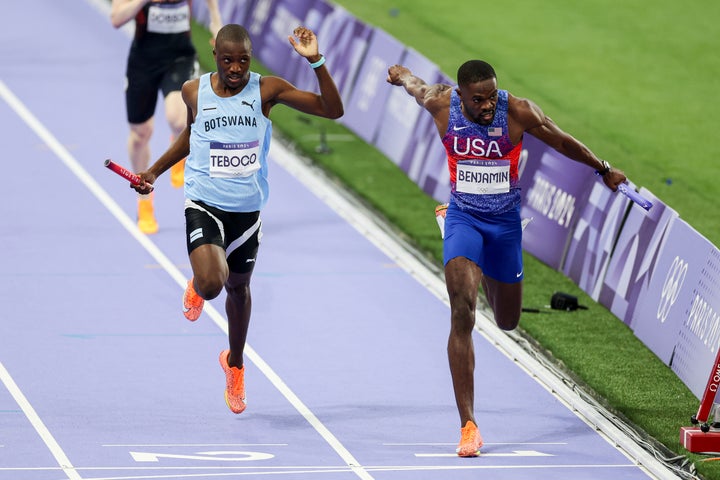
{"x":101,"y":377}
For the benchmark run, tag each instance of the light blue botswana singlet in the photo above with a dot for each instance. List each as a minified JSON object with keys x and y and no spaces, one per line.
{"x":227,"y":167}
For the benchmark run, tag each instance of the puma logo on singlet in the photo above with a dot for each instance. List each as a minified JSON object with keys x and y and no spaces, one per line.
{"x":249,"y":104}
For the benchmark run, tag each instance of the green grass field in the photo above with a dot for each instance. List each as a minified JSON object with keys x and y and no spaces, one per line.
{"x":635,"y":81}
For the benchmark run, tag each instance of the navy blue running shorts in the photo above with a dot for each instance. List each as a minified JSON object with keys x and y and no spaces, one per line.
{"x":492,"y":241}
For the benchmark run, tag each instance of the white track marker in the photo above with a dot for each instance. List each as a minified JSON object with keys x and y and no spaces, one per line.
{"x":38,"y":424}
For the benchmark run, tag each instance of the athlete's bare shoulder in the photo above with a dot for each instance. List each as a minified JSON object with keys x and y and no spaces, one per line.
{"x":192,"y":84}
{"x":272,"y":86}
{"x":190,"y":89}
{"x":189,"y":94}
{"x":524,"y":112}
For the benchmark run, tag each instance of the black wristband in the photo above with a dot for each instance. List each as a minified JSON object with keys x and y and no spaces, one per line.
{"x":605,"y":169}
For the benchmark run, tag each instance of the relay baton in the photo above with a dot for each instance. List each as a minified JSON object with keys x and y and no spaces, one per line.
{"x":124,"y":172}
{"x":635,"y":196}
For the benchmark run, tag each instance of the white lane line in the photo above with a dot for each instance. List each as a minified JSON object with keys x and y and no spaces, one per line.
{"x":104,"y":198}
{"x":445,"y":444}
{"x":37,"y":423}
{"x":165,"y":472}
{"x":514,"y":453}
{"x":135,"y":445}
{"x":497,"y":467}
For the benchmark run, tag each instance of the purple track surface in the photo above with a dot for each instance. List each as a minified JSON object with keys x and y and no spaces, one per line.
{"x":103,"y":378}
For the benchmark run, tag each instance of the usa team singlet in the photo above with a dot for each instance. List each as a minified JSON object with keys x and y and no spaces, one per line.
{"x":482,"y":160}
{"x":227,"y":167}
{"x":482,"y":222}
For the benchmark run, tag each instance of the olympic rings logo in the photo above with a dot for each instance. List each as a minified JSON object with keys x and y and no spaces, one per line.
{"x":671,"y":288}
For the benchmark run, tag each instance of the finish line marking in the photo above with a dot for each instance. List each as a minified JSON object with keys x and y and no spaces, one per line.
{"x":515,"y":453}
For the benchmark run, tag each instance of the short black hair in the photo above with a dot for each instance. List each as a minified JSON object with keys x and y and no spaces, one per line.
{"x":474,"y":71}
{"x":232,"y":32}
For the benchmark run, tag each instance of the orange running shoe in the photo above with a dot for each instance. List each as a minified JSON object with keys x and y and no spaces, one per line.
{"x":177,"y":174}
{"x":146,"y":215}
{"x":234,"y":384}
{"x":470,"y":441}
{"x":192,"y":302}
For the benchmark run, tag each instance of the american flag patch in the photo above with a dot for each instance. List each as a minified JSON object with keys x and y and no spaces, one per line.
{"x":495,"y":132}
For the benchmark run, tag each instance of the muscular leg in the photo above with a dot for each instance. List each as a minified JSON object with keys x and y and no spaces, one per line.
{"x":210,"y":275}
{"x":505,"y":299}
{"x":139,"y":144}
{"x":175,"y":112}
{"x":238,"y":305}
{"x":176,"y":115}
{"x":462,"y":278}
{"x":210,"y":270}
{"x":139,"y":152}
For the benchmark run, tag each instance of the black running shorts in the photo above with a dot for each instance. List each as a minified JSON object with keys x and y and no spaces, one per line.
{"x":238,"y":233}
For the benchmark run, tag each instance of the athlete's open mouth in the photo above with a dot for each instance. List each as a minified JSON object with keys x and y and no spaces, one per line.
{"x":486,"y":116}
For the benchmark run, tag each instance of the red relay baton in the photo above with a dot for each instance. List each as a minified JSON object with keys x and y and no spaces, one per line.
{"x":123,"y":172}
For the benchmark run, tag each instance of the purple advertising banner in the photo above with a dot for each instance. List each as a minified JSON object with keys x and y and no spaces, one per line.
{"x":665,"y":304}
{"x":370,"y":93}
{"x":699,"y":335}
{"x":634,"y":257}
{"x":427,"y":162}
{"x":200,"y":13}
{"x":594,"y":236}
{"x":259,"y":14}
{"x":424,"y":158}
{"x":678,"y":316}
{"x":343,"y":40}
{"x":555,"y":191}
{"x":251,"y":14}
{"x":270,"y":27}
{"x":230,"y":12}
{"x":298,"y":71}
{"x":399,"y":118}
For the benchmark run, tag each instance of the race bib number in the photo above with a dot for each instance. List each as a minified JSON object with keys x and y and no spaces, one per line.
{"x":169,"y":18}
{"x":487,"y":177}
{"x":228,"y":160}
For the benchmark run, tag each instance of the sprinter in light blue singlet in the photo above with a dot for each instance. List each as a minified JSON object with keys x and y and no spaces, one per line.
{"x":229,"y":142}
{"x":226,"y":177}
{"x":482,"y":129}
